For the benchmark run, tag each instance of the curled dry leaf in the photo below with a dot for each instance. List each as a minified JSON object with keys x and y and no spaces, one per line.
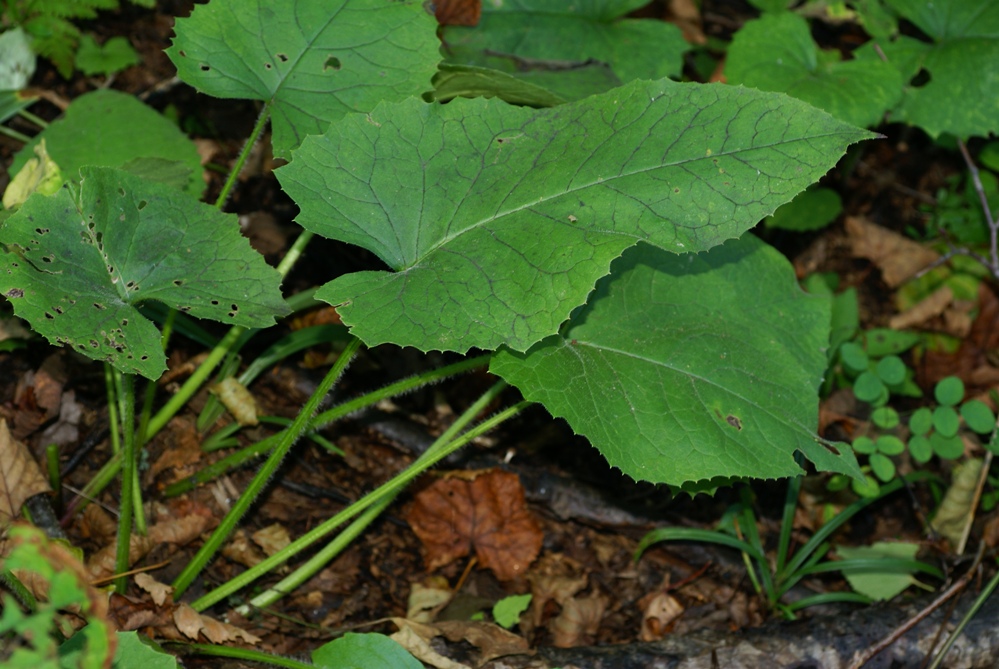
{"x":180,"y":531}
{"x":659,"y":610}
{"x":101,"y":564}
{"x":899,"y":258}
{"x":160,"y":592}
{"x":930,"y":307}
{"x":237,"y":400}
{"x":579,"y":621}
{"x":191,"y":624}
{"x":485,"y":511}
{"x":427,"y":599}
{"x":420,"y":648}
{"x":272,"y":538}
{"x":20,"y":475}
{"x":457,"y":12}
{"x":490,"y":639}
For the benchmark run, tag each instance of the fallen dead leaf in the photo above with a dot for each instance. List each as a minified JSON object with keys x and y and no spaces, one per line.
{"x":487,"y":513}
{"x":686,"y":14}
{"x":238,"y":401}
{"x":899,"y":258}
{"x":557,"y":579}
{"x":191,"y":624}
{"x":66,"y":429}
{"x":420,"y":648}
{"x":578,"y":621}
{"x":930,"y":307}
{"x":271,"y":538}
{"x":974,"y":360}
{"x":659,"y":610}
{"x":180,"y":531}
{"x":20,"y":475}
{"x":240,"y":549}
{"x":457,"y":12}
{"x":490,"y":639}
{"x":181,"y":450}
{"x":160,"y":592}
{"x":101,"y":564}
{"x":427,"y":599}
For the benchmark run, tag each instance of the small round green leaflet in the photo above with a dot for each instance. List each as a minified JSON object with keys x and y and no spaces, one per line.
{"x":864,"y":445}
{"x":921,"y":421}
{"x":889,"y":444}
{"x":866,"y":487}
{"x":869,"y":388}
{"x":948,"y":448}
{"x":920,"y":449}
{"x":79,"y":262}
{"x":949,"y":391}
{"x":882,"y":466}
{"x":978,"y":416}
{"x":946,"y":421}
{"x":885,"y":418}
{"x":853,"y":357}
{"x":891,"y":370}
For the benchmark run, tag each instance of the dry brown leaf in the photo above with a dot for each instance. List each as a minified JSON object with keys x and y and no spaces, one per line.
{"x":487,"y":513}
{"x":96,"y":523}
{"x":191,"y":624}
{"x":101,"y":564}
{"x":490,"y":639}
{"x":272,"y":538}
{"x":420,"y":647}
{"x":658,"y":613}
{"x":972,"y":361}
{"x":899,"y":258}
{"x":181,"y":452}
{"x":578,"y":621}
{"x":238,"y":401}
{"x":687,"y":16}
{"x":457,"y":12}
{"x":20,"y":475}
{"x":427,"y":599}
{"x":240,"y":549}
{"x":160,"y":592}
{"x":930,"y":307}
{"x":180,"y":531}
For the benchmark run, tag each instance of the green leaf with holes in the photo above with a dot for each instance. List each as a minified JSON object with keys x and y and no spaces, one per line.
{"x":78,"y":263}
{"x":777,"y":53}
{"x":561,"y":36}
{"x":683,"y":368}
{"x":961,"y":95}
{"x":113,"y":129}
{"x":313,"y":61}
{"x":496,"y":221}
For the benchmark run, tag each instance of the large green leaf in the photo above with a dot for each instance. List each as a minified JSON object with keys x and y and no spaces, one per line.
{"x":112,"y":129}
{"x":79,"y":262}
{"x":962,"y":94}
{"x":497,"y":221}
{"x":315,"y":60}
{"x":777,"y":53}
{"x":560,"y":32}
{"x":685,"y":368}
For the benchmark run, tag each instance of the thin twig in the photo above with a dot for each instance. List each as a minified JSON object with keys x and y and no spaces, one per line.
{"x":862,"y":658}
{"x":976,"y":179}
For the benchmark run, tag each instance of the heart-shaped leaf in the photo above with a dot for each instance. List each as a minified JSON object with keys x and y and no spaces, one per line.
{"x":498,"y":220}
{"x":686,"y":368}
{"x":78,"y":263}
{"x":777,"y":53}
{"x":961,"y":95}
{"x":313,"y":60}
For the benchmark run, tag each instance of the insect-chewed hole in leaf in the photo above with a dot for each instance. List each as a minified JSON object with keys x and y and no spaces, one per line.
{"x":143,"y":358}
{"x":99,"y":306}
{"x":110,"y":269}
{"x":205,"y":67}
{"x":268,"y":66}
{"x":215,"y":303}
{"x":233,"y":310}
{"x":332,"y":63}
{"x":921,"y":79}
{"x":178,"y":282}
{"x":183,"y":54}
{"x":42,"y":231}
{"x":184,"y":309}
{"x":49,"y":316}
{"x":124,"y":323}
{"x":14,"y":293}
{"x":734,"y":422}
{"x":48,"y":258}
{"x":58,"y":310}
{"x":283,"y":57}
{"x":142,"y":205}
{"x":121,"y":192}
{"x":93,"y":343}
{"x":130,"y":285}
{"x":676,"y":190}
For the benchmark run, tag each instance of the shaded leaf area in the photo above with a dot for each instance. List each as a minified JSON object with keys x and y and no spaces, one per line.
{"x":777,"y":53}
{"x":314,"y":61}
{"x":112,"y":129}
{"x":962,"y":94}
{"x":722,"y":381}
{"x":484,"y":512}
{"x":531,"y":39}
{"x":455,"y":197}
{"x":79,"y":262}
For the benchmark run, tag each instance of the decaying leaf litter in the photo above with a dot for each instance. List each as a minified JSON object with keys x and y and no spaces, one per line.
{"x":570,"y":546}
